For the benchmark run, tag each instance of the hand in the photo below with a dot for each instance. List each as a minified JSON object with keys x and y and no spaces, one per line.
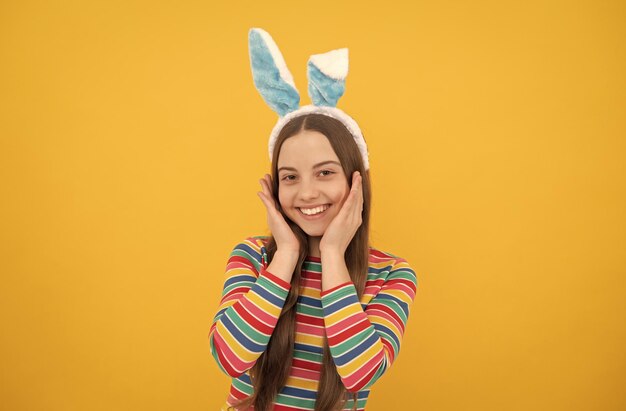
{"x":342,"y":228}
{"x":286,"y":240}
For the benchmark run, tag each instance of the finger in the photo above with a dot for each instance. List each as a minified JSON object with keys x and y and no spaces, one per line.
{"x":355,"y":180}
{"x":270,"y":186}
{"x":270,"y":189}
{"x":267,"y":190}
{"x":360,"y":189}
{"x":265,"y":201}
{"x":358,"y":197}
{"x":356,"y":184}
{"x":348,"y":208}
{"x":353,"y":185}
{"x":267,"y":193}
{"x":263,"y":189}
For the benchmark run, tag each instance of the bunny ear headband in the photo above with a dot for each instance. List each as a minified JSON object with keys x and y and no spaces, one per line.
{"x":327,"y":79}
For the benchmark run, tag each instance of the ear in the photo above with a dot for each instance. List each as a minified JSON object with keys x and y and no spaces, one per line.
{"x":271,"y":76}
{"x":327,"y":77}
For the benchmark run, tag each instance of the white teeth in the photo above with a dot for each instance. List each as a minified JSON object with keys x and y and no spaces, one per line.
{"x":313,"y":211}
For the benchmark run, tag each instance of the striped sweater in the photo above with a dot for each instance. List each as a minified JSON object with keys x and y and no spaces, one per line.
{"x":364,"y":336}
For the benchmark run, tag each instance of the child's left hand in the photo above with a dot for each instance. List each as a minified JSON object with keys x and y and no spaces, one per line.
{"x":342,"y":228}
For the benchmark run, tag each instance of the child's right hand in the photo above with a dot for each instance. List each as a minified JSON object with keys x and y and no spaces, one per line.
{"x":286,"y":240}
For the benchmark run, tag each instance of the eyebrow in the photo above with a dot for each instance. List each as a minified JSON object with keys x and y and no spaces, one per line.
{"x":323,"y":163}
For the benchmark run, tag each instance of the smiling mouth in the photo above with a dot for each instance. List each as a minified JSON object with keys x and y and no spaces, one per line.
{"x":314,"y":211}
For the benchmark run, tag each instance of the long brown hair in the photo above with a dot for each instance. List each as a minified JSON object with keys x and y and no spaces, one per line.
{"x":270,"y":372}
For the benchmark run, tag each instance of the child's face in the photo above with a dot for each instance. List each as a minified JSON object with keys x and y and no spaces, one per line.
{"x":311,"y":181}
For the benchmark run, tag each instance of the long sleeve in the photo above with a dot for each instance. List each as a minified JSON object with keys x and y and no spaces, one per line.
{"x":251,"y":302}
{"x":365,"y":342}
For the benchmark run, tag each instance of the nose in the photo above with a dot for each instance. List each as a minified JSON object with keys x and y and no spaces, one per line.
{"x":308,"y":190}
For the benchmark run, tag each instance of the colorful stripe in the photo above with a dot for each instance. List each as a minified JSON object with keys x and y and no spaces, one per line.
{"x":364,"y":336}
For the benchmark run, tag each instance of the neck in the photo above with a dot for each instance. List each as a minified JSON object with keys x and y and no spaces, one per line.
{"x":314,"y":246}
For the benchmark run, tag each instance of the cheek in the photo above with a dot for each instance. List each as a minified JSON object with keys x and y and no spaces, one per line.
{"x":342,"y":194}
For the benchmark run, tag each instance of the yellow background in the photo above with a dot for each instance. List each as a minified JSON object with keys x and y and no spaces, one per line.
{"x":132,"y":140}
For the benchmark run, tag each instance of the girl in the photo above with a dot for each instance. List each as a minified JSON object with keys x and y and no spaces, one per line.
{"x":311,"y":316}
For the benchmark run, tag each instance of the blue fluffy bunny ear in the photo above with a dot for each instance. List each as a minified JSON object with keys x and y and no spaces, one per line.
{"x":271,"y":76}
{"x":327,"y":77}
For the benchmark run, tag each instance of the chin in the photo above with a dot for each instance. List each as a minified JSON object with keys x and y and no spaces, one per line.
{"x":313,"y":232}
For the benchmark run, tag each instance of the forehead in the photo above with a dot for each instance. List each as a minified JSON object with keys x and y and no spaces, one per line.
{"x":306,"y":149}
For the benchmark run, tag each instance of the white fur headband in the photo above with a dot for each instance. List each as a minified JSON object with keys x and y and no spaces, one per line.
{"x":327,"y":78}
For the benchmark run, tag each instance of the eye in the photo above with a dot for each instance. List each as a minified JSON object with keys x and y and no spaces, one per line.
{"x":326,"y":172}
{"x":288,"y":177}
